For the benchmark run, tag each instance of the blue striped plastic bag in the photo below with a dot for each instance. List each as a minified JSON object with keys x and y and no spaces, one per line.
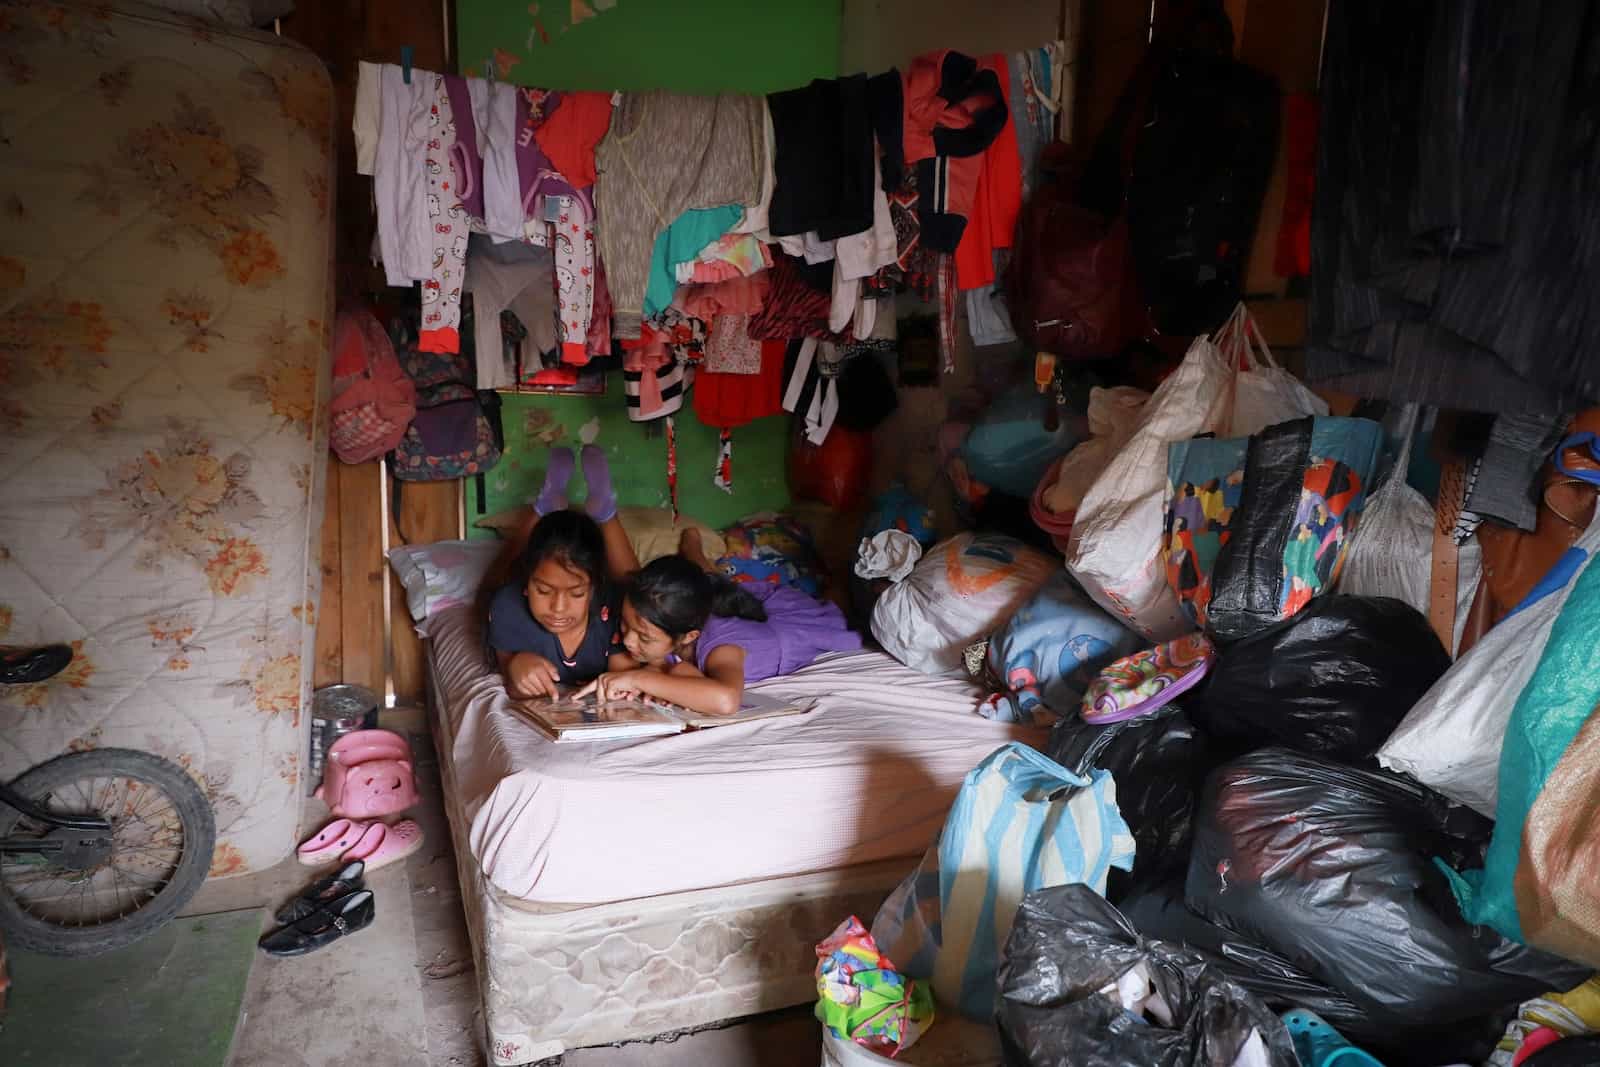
{"x":1021,"y":822}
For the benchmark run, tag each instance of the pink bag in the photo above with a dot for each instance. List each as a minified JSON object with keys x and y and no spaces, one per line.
{"x":368,"y":775}
{"x":373,"y":399}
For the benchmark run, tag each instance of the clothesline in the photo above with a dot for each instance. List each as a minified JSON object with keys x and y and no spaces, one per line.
{"x":632,"y":215}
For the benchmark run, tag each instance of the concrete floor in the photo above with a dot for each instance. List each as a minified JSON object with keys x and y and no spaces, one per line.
{"x":404,"y":991}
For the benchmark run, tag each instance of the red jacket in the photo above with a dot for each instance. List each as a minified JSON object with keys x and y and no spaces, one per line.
{"x":952,"y":111}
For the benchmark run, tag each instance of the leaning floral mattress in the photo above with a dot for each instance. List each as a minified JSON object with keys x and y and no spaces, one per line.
{"x":164,"y":307}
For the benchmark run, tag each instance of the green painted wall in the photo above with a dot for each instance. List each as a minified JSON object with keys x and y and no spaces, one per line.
{"x":691,"y":46}
{"x":638,"y":462}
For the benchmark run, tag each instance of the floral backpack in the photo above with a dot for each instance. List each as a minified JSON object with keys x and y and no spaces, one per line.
{"x":373,"y":399}
{"x":456,"y":432}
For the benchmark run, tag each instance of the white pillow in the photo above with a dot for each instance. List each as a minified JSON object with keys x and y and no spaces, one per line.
{"x":442,"y":575}
{"x":961,"y":592}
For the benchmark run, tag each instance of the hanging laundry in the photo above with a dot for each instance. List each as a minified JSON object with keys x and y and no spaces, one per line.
{"x":824,"y":159}
{"x":537,"y":176}
{"x":953,"y":110}
{"x":671,"y":337}
{"x":793,"y":308}
{"x":571,"y":131}
{"x":886,"y":111}
{"x":729,"y":256}
{"x":502,"y":186}
{"x":1032,"y":121}
{"x":741,"y":295}
{"x":1453,"y":242}
{"x":997,"y":199}
{"x":598,"y":343}
{"x":400,"y":177}
{"x":947,"y":313}
{"x":467,"y":108}
{"x":672,"y":466}
{"x":682,"y":242}
{"x":988,"y":318}
{"x":858,"y":257}
{"x":515,"y":278}
{"x":808,"y":391}
{"x":723,"y":477}
{"x":573,"y":240}
{"x":653,"y":392}
{"x":756,"y":215}
{"x":663,"y":155}
{"x":367,"y":120}
{"x":441,"y":289}
{"x":729,"y":347}
{"x":731,"y":400}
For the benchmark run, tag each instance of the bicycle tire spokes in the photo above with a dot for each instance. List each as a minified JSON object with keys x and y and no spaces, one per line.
{"x":147,"y":845}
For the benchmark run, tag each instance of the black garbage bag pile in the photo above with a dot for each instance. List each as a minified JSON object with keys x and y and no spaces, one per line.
{"x":1329,"y":868}
{"x":1079,"y":987}
{"x":1158,"y":762}
{"x":1297,"y":875}
{"x":1334,"y":680}
{"x":1276,"y":866}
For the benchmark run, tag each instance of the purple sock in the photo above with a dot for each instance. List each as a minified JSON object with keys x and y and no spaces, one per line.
{"x":602,"y":500}
{"x":553,"y":497}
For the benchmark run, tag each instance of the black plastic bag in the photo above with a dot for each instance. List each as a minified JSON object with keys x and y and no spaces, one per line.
{"x":1334,"y":681}
{"x":1159,"y":912}
{"x":1330,"y":867}
{"x":1158,"y":762}
{"x":1068,"y":944}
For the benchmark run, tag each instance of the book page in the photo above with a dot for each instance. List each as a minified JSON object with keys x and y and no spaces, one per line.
{"x":569,"y":717}
{"x":752,"y":707}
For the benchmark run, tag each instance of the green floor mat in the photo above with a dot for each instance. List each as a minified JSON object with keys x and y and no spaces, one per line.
{"x":170,"y":999}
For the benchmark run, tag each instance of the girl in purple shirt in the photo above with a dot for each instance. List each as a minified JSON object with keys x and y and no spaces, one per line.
{"x":699,"y":638}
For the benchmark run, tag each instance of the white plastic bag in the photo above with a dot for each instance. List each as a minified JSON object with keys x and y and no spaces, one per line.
{"x":1115,"y":550}
{"x":1450,"y":741}
{"x":1392,"y":552}
{"x":1113,"y":417}
{"x":958,"y":594}
{"x":1264,"y":394}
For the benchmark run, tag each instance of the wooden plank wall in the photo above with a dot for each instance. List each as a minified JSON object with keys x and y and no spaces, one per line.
{"x":351,"y":620}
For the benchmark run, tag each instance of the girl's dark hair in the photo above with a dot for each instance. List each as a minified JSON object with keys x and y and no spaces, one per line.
{"x":574,"y":540}
{"x":678,"y":596}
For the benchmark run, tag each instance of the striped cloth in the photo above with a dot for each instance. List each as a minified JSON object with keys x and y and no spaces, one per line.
{"x":1021,"y":822}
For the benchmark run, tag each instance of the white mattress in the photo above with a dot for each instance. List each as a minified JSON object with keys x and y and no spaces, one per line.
{"x":868,"y":775}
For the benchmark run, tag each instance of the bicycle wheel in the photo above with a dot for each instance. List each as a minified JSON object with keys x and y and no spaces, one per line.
{"x":162,"y":833}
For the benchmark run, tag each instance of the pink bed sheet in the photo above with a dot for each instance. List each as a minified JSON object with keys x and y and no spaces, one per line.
{"x":867,"y":775}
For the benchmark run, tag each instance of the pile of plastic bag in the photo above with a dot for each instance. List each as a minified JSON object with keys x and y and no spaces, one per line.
{"x":1277,"y":820}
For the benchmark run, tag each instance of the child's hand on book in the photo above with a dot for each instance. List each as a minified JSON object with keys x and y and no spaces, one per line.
{"x":613,"y":685}
{"x":529,"y":675}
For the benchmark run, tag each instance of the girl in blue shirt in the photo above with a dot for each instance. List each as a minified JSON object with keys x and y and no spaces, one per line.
{"x":556,"y":622}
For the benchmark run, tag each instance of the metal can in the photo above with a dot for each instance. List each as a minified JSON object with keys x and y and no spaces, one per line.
{"x":337,"y":710}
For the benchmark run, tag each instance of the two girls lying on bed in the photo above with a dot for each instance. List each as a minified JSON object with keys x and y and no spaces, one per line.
{"x":679,"y":631}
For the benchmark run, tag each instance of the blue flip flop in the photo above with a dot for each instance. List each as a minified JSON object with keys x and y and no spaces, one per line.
{"x":1320,"y":1045}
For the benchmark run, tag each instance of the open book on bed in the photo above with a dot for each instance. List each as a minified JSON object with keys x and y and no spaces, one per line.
{"x":571,"y":719}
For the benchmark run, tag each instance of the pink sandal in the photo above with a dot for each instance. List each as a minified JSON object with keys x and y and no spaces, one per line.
{"x":332,"y":841}
{"x":383,"y":844}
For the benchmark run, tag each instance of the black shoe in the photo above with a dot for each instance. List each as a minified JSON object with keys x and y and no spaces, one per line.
{"x":322,"y":927}
{"x":23,"y":666}
{"x":341,"y":883}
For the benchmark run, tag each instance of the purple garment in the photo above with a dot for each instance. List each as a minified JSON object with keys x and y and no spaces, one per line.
{"x":538,"y":176}
{"x":798,"y":630}
{"x":464,"y":156}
